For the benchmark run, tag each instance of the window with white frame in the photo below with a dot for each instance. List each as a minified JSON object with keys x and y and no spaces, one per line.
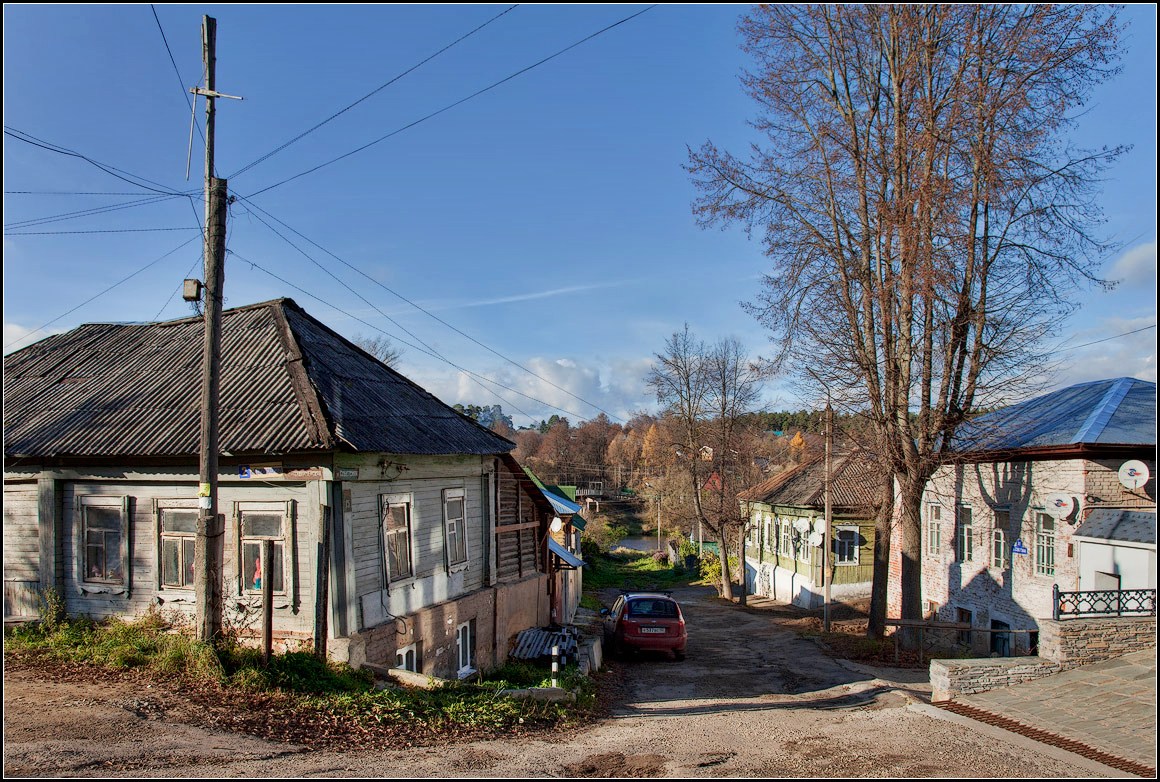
{"x":176,"y":536}
{"x":407,"y":658}
{"x":396,"y":531}
{"x":454,"y":526}
{"x":770,"y":533}
{"x":964,"y":534}
{"x":103,"y":539}
{"x":465,"y":646}
{"x":1044,"y":545}
{"x":263,"y":526}
{"x":999,"y":557}
{"x":846,"y":545}
{"x":933,"y":529}
{"x":803,"y":543}
{"x":786,"y":547}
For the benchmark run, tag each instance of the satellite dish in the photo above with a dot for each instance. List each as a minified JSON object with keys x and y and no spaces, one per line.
{"x":801,"y":525}
{"x":557,"y":524}
{"x":1134,"y":474}
{"x":815,"y":539}
{"x":1059,"y":506}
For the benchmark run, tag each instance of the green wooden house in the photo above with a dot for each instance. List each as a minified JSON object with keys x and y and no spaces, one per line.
{"x":785,"y":535}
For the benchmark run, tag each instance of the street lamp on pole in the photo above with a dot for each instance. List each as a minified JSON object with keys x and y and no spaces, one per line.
{"x":829,"y":512}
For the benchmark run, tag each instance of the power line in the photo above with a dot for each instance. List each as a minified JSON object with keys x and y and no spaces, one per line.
{"x":106,"y":231}
{"x":432,"y":315}
{"x":28,"y":138}
{"x":1105,"y":339}
{"x":456,"y":103}
{"x":102,"y":293}
{"x":428,"y":349}
{"x":184,"y":91}
{"x":154,"y":199}
{"x":73,"y":192}
{"x":450,"y":363}
{"x":305,"y":133}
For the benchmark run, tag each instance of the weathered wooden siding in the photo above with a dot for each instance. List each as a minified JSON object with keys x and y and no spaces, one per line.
{"x":293,"y":613}
{"x":21,"y":549}
{"x":432,"y":581}
{"x":518,"y":554}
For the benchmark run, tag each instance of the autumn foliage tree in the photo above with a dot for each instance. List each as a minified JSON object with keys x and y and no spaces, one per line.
{"x":706,"y":392}
{"x":926,"y":220}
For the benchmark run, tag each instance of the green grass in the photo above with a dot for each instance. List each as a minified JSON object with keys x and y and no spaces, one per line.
{"x":307,"y":689}
{"x":637,"y":570}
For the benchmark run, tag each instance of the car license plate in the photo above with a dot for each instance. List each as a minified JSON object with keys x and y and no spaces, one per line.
{"x":652,"y":629}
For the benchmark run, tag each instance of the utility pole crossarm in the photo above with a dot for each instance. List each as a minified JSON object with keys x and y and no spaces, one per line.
{"x":212,"y":94}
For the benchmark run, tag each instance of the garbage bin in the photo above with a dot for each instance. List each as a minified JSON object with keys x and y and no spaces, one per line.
{"x":690,"y":562}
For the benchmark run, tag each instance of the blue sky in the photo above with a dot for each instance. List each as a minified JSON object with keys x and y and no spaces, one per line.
{"x":548,"y":218}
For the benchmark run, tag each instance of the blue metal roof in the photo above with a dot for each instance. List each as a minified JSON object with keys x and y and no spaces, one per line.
{"x":564,"y":554}
{"x":1120,"y":411}
{"x":560,"y":504}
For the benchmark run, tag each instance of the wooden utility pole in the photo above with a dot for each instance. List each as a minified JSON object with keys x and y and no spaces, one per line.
{"x":210,"y":527}
{"x":827,"y":551}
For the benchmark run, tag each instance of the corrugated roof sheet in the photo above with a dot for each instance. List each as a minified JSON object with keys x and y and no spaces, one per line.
{"x":854,"y":484}
{"x":1120,"y":411}
{"x":288,"y":383}
{"x":1129,"y":526}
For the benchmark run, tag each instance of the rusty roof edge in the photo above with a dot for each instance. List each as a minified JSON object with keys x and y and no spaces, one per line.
{"x":404,"y":378}
{"x":319,"y":423}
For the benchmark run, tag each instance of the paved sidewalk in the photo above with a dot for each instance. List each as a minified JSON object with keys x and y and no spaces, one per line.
{"x":1110,"y":706}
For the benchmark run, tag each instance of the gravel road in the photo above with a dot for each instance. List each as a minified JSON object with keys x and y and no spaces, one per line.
{"x":751,"y":700}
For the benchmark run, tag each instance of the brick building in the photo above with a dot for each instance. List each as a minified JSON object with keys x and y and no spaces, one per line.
{"x":998,"y":522}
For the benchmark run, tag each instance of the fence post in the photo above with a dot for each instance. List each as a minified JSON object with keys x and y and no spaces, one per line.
{"x":555,"y":664}
{"x":1055,"y":602}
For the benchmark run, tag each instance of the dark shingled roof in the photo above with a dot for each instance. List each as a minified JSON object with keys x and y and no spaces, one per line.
{"x":1120,"y":411}
{"x":854,"y":484}
{"x":1129,"y":526}
{"x":288,"y":383}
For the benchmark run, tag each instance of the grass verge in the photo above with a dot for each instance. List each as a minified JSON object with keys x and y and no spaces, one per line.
{"x":297,"y":698}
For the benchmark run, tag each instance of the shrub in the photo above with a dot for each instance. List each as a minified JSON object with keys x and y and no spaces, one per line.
{"x":52,"y":611}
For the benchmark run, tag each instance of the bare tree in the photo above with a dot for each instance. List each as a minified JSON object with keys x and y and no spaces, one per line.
{"x":927,"y":223}
{"x":707,"y":390}
{"x":381,"y":348}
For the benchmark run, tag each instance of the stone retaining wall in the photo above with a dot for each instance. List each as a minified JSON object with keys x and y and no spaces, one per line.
{"x":1062,"y":645}
{"x":1072,"y":642}
{"x":949,"y":678}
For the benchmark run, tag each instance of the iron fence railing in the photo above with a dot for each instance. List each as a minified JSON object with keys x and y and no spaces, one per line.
{"x":1104,"y":602}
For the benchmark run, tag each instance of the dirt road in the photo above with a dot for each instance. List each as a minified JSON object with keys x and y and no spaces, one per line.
{"x":752,"y":699}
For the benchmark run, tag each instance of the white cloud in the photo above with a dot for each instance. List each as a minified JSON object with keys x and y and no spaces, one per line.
{"x":1136,"y":267}
{"x":1123,"y":347}
{"x":17,"y":337}
{"x":556,"y":388}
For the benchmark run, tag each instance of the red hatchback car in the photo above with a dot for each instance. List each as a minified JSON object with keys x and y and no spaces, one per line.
{"x":648,"y":621}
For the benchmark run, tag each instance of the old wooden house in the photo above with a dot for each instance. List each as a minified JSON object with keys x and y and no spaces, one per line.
{"x":786,"y":513}
{"x":402,"y":533}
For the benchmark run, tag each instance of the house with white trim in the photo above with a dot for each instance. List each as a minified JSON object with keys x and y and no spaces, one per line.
{"x":401,"y":532}
{"x":1021,"y":509}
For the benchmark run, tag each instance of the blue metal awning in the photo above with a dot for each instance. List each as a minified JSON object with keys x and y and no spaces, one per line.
{"x":564,"y":554}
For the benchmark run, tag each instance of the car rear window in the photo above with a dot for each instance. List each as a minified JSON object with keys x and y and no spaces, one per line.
{"x":663,"y":609}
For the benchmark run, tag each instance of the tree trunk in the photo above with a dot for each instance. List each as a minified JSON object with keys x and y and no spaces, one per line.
{"x":726,"y":581}
{"x":910,"y":506}
{"x":741,"y":565}
{"x":883,"y":524}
